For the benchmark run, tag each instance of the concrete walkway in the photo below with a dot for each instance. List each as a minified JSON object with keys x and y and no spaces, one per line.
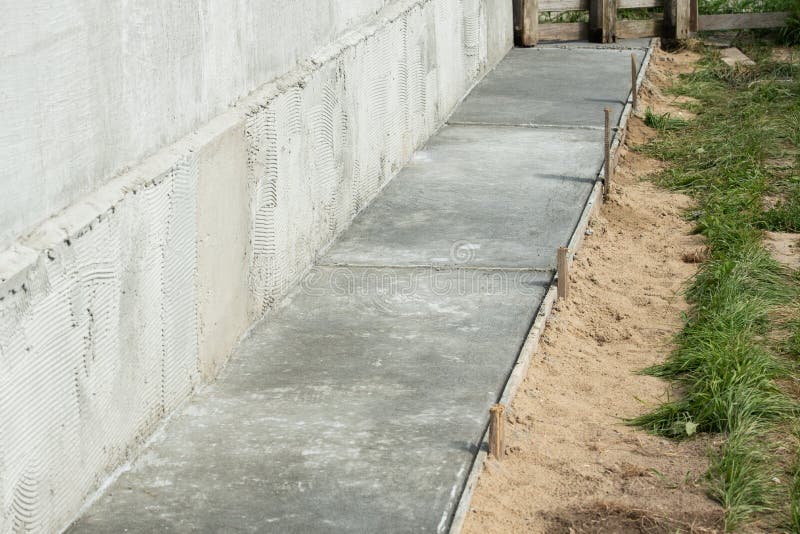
{"x":358,"y":405}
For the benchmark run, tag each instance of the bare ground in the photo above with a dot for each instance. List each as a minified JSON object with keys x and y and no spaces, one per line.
{"x":784,"y":247}
{"x":572,"y":464}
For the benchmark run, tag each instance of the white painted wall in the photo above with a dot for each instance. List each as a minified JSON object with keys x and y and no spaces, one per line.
{"x":113,"y":310}
{"x":89,"y":87}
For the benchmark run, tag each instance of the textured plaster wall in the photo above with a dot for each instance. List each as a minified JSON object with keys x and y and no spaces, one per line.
{"x":114,"y":310}
{"x":88,"y":87}
{"x":97,"y":344}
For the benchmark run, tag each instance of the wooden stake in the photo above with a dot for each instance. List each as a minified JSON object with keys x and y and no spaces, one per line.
{"x":607,"y":152}
{"x":496,"y":431}
{"x":634,"y":75}
{"x":563,"y":273}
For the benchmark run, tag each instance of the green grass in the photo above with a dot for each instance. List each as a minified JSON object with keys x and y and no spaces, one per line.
{"x":740,"y":150}
{"x":744,"y":6}
{"x":794,"y":497}
{"x":785,"y":215}
{"x":740,"y":476}
{"x":790,"y":33}
{"x":548,"y":17}
{"x":662,"y":121}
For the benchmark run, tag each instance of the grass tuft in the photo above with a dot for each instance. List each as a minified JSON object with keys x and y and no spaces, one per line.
{"x":794,"y":497}
{"x":663,"y":121}
{"x":740,"y":476}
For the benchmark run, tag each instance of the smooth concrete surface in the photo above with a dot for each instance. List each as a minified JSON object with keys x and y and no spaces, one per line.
{"x":358,"y":403}
{"x":499,"y":20}
{"x":552,"y":86}
{"x":353,"y":407}
{"x":479,"y":196}
{"x":223,"y":246}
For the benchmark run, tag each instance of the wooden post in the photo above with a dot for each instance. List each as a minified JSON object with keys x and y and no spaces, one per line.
{"x":634,"y":76}
{"x":693,"y":16}
{"x":496,"y":430}
{"x":526,"y":22}
{"x":683,"y":19}
{"x":563,"y":273}
{"x":608,"y":169}
{"x":677,"y":19}
{"x":603,"y":21}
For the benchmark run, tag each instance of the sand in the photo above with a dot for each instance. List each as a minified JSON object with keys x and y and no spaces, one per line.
{"x":784,"y":247}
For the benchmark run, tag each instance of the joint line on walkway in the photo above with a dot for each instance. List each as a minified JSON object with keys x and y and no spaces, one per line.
{"x":555,"y":46}
{"x":437,"y":266}
{"x":531,"y":125}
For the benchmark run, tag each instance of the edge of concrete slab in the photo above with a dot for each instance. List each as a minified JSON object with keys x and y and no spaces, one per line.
{"x":622,"y":130}
{"x":531,"y":345}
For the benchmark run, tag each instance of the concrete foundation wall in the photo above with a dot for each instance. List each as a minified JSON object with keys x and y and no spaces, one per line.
{"x":113,"y":311}
{"x":92,"y":86}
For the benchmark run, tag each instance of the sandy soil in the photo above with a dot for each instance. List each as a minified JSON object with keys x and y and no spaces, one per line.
{"x":785,"y":55}
{"x":784,"y":247}
{"x":572,"y":464}
{"x":663,"y":69}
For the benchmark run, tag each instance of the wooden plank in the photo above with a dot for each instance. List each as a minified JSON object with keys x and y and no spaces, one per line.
{"x":693,"y":14}
{"x":526,"y":22}
{"x":634,"y":4}
{"x":564,"y":31}
{"x":583,"y":5}
{"x":564,"y":5}
{"x":632,"y":29}
{"x":742,"y":21}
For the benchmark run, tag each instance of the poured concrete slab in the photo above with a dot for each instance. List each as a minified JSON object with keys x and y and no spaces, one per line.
{"x":552,"y":86}
{"x":354,"y":407}
{"x":479,"y":196}
{"x":357,"y":405}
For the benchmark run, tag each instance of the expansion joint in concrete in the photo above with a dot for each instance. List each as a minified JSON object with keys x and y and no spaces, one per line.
{"x":346,"y":265}
{"x":589,"y":47}
{"x":530,"y":125}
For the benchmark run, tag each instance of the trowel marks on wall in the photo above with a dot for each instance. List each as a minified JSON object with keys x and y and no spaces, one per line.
{"x":96,"y":347}
{"x":319,"y":154}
